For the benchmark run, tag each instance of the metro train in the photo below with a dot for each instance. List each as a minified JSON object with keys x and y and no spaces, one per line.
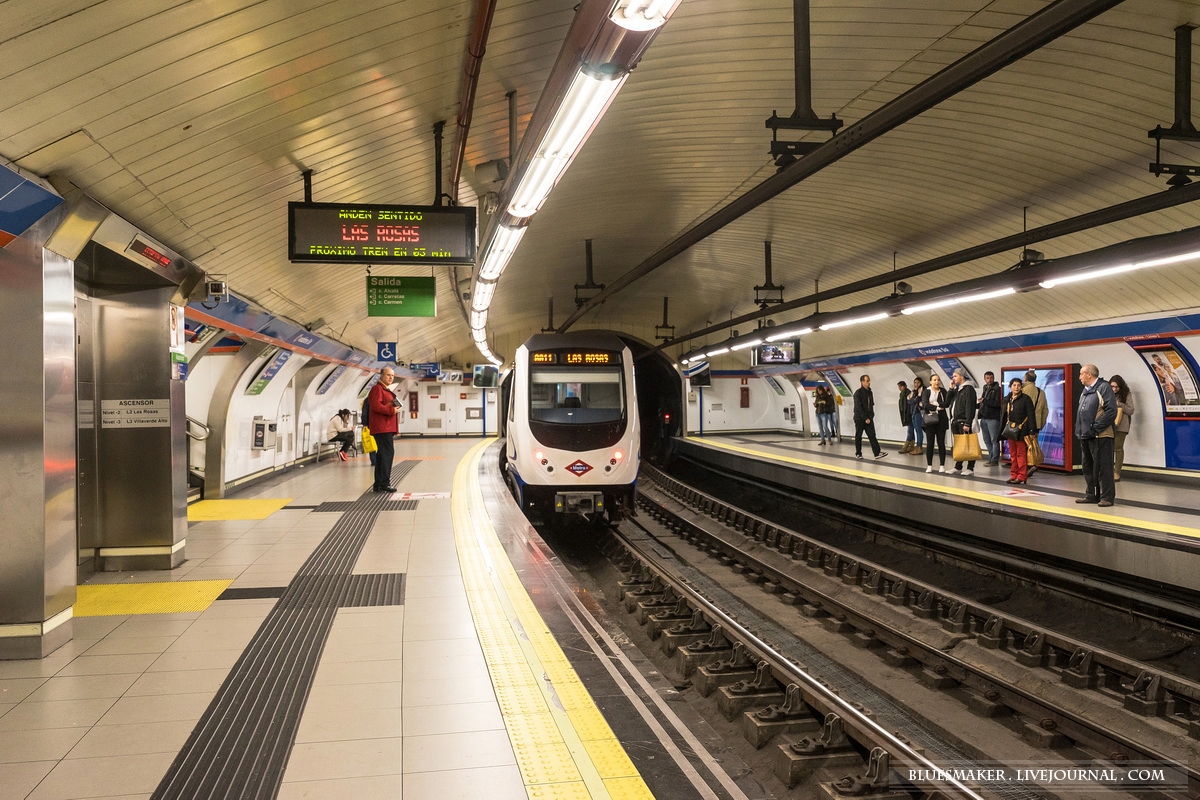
{"x":573,"y":438}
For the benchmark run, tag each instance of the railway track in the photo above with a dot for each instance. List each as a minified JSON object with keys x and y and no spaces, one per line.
{"x":1071,"y":700}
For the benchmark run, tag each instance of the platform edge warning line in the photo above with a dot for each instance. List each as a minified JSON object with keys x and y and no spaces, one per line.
{"x":539,"y":692}
{"x":1028,"y":505}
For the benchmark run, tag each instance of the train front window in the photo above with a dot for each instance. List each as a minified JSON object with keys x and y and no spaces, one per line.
{"x":575,"y":396}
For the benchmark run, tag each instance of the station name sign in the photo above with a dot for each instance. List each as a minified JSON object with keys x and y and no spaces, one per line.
{"x":343,"y":233}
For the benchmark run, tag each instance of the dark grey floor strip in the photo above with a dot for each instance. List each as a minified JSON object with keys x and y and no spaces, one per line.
{"x":240,"y":747}
{"x":253,"y":593}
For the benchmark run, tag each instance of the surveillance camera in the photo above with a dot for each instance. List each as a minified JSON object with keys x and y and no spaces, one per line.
{"x":903,"y":288}
{"x":216,"y":289}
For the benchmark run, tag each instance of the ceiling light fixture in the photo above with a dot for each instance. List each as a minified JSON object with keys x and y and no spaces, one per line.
{"x":744,"y":345}
{"x":642,"y":15}
{"x":1119,"y":268}
{"x":717,"y":352}
{"x":580,"y":110}
{"x":481,"y":300}
{"x":499,"y":251}
{"x":842,"y":323}
{"x":953,"y":301}
{"x":789,"y":334}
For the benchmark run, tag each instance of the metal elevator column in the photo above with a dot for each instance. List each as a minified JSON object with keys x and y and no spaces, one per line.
{"x":37,"y":445}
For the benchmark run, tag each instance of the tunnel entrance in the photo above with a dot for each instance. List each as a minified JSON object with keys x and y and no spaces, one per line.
{"x":660,"y":398}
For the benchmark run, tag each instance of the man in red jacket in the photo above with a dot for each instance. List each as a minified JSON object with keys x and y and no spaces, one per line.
{"x":383,"y":407}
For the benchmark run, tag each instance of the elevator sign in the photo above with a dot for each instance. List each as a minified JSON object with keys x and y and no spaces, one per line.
{"x":342,"y":233}
{"x":135,"y":413}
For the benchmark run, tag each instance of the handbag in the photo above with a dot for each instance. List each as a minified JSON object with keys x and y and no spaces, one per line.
{"x":368,"y":441}
{"x":966,"y":447}
{"x":1033,"y":451}
{"x":1011,"y":431}
{"x":930,"y":419}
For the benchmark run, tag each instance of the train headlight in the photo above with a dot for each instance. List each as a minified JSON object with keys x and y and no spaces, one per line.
{"x":616,"y":456}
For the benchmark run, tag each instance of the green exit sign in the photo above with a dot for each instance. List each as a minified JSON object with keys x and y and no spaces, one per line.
{"x":401,"y":297}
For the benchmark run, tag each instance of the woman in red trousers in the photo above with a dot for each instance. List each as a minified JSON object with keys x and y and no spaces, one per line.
{"x":1017,"y":423}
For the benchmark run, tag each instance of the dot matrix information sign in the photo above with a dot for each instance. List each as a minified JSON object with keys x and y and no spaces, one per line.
{"x":343,"y":233}
{"x":401,"y":297}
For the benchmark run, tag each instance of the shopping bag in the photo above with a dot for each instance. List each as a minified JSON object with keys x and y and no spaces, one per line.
{"x":1033,"y":451}
{"x":368,"y":441}
{"x":966,"y":447}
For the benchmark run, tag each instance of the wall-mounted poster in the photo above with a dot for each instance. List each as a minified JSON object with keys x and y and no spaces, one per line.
{"x":1175,"y":377}
{"x":835,"y":380}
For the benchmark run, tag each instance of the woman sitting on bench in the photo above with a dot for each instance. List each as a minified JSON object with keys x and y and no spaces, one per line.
{"x":341,"y":429}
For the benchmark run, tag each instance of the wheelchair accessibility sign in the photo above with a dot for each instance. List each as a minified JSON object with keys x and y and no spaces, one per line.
{"x":386,"y":351}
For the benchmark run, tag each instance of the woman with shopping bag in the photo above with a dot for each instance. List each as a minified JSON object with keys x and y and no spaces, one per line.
{"x":963,"y":403}
{"x":1017,"y":423}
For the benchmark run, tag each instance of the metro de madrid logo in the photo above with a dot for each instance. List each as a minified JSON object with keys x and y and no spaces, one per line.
{"x":580,"y":468}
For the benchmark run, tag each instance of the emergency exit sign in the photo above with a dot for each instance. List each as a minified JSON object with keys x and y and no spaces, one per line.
{"x":401,"y":296}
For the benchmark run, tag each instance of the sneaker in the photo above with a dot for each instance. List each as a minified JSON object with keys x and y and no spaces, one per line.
{"x":342,"y":454}
{"x":881,"y":454}
{"x":929,"y":469}
{"x":858,"y":455}
{"x":957,"y":473}
{"x":941,"y":469}
{"x":970,"y":473}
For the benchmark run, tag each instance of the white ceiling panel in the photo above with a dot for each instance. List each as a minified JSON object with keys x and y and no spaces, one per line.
{"x":195,"y":120}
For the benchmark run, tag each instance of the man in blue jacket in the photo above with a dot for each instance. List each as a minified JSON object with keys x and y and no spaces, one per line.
{"x":1094,"y":427}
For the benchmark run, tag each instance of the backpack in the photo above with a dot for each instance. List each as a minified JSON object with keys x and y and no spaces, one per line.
{"x":366,"y":410}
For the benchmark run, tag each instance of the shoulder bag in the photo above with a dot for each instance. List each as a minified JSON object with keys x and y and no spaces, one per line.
{"x":1033,"y":451}
{"x":966,"y":447}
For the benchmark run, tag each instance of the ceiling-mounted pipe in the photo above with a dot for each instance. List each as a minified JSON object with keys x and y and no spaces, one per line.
{"x":1144,"y":253}
{"x":1092,"y":219}
{"x":476,"y":46}
{"x":1024,"y":38}
{"x":472,"y":63}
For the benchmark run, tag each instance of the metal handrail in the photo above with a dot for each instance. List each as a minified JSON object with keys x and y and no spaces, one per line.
{"x":204,"y":429}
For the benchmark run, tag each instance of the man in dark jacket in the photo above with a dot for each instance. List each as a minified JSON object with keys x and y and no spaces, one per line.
{"x":864,"y":418}
{"x":1094,"y":427}
{"x":962,"y":412}
{"x":991,"y":408}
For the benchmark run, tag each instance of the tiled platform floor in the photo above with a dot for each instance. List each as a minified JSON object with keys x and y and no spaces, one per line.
{"x":401,"y":706}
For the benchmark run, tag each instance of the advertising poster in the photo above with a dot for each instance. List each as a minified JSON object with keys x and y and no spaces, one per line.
{"x":948,"y":366}
{"x":839,"y":385}
{"x":1176,"y":381}
{"x":1053,"y":438}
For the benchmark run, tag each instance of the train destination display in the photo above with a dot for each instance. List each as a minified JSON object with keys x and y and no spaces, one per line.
{"x":343,"y":233}
{"x":574,"y":357}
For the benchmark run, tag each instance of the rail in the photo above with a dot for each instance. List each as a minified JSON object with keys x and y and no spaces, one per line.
{"x":204,"y":430}
{"x":1139,"y":688}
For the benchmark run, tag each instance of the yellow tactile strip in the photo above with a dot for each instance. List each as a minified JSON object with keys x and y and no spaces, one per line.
{"x":218,"y":510}
{"x":563,"y":746}
{"x":1030,"y":505}
{"x":121,"y":599}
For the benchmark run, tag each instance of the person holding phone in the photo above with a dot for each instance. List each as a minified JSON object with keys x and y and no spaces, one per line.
{"x":384,"y":407}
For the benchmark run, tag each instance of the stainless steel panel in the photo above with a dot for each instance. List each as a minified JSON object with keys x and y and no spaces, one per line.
{"x":137,"y":466}
{"x":86,"y":485}
{"x":37,"y":429}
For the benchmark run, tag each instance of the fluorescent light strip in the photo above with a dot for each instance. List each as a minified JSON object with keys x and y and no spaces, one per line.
{"x":953,"y":301}
{"x":789,"y":334}
{"x":481,"y":300}
{"x":642,"y":15}
{"x":842,"y":323}
{"x":1118,"y":269}
{"x":716,"y":352}
{"x":501,"y":249}
{"x":744,"y":345}
{"x":479,"y":319}
{"x":582,"y":106}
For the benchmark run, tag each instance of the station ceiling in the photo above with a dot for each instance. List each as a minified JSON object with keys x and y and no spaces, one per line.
{"x":195,"y":120}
